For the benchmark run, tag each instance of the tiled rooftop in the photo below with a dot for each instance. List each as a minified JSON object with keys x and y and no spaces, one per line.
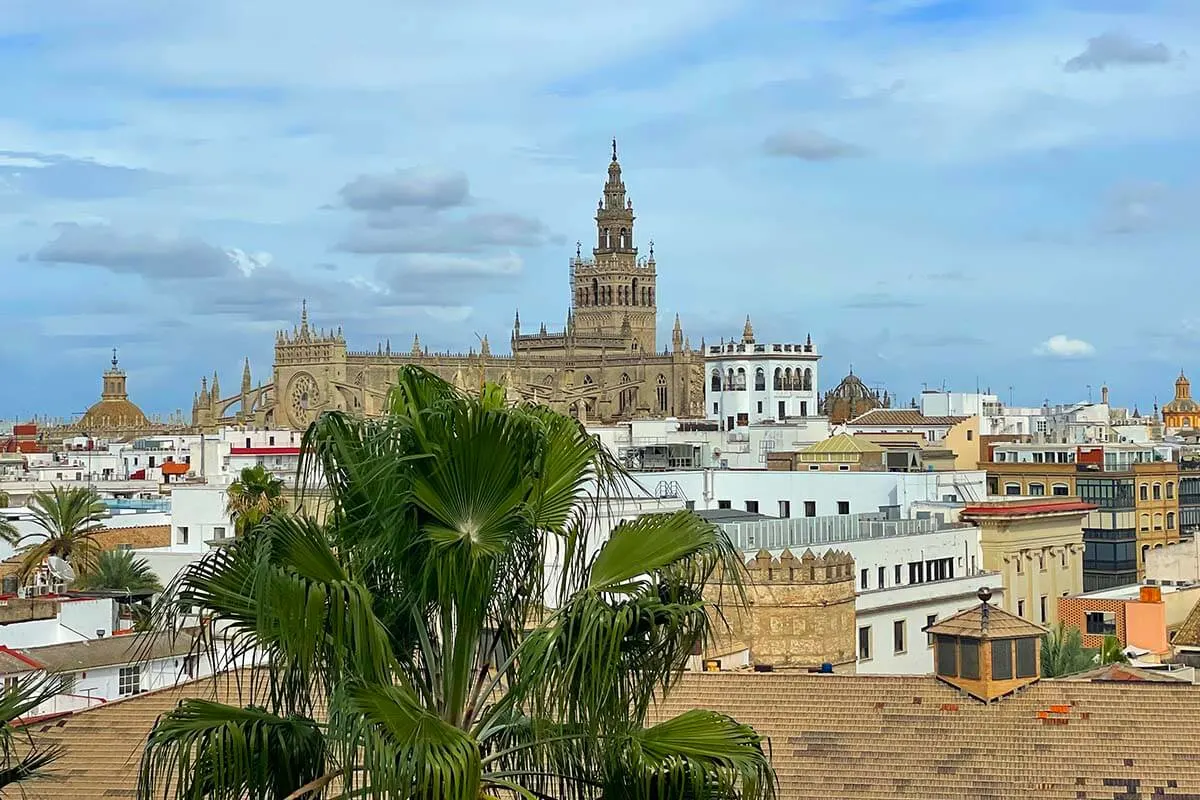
{"x":831,"y":736}
{"x":902,"y":416}
{"x":1188,"y":634}
{"x":867,"y":736}
{"x":998,"y":624}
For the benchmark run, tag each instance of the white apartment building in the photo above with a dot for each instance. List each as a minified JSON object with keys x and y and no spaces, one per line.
{"x":814,"y":494}
{"x":748,"y":382}
{"x":910,"y":573}
{"x":672,"y":444}
{"x":1064,"y":423}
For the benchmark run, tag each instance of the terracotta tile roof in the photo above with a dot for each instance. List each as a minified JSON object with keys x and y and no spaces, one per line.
{"x":104,"y":744}
{"x":903,"y":416}
{"x":1126,"y":673}
{"x":1000,"y":624}
{"x":75,"y":656}
{"x":1188,"y":634}
{"x":854,"y":736}
{"x":872,"y":737}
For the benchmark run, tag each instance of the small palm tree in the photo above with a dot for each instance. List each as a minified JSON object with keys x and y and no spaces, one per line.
{"x":120,"y":571}
{"x":1111,"y":651}
{"x":253,"y":496}
{"x":1063,"y":652}
{"x":69,"y":519}
{"x":22,"y":756}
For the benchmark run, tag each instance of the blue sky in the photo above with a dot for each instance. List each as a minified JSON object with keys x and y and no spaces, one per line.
{"x":958,"y":192}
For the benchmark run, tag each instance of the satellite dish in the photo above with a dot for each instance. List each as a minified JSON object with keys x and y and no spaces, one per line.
{"x":60,"y":569}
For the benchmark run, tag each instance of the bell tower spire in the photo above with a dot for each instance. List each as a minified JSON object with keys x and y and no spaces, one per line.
{"x":615,"y":288}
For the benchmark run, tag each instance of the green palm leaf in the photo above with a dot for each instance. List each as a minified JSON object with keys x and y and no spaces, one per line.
{"x":412,"y":616}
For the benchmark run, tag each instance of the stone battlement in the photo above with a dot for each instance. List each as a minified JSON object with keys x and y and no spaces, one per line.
{"x":832,"y":567}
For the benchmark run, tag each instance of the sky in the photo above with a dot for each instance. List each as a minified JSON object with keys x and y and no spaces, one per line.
{"x":986,"y":193}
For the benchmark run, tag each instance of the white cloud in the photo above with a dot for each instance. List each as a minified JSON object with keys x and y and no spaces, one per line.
{"x":1060,"y":346}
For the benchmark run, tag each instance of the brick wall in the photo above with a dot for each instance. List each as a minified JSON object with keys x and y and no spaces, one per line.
{"x":1072,"y":611}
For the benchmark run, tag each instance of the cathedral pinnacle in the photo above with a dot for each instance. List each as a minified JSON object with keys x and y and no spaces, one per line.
{"x":748,"y":332}
{"x":304,"y":317}
{"x":614,"y":149}
{"x":114,"y":361}
{"x":416,"y":348}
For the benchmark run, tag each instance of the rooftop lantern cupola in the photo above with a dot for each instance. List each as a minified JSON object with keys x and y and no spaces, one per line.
{"x":986,"y":651}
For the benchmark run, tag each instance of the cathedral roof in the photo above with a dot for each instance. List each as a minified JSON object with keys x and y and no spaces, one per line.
{"x":1181,"y":405}
{"x":852,"y":388}
{"x":113,"y":415}
{"x":114,"y":411}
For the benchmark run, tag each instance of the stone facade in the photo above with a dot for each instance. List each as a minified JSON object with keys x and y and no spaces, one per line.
{"x":800,"y":615}
{"x":603,"y":366}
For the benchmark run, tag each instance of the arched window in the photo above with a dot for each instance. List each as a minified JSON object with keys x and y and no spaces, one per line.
{"x":1060,"y":490}
{"x":645,"y":297}
{"x":1144,"y":522}
{"x":1158,"y":521}
{"x":1157,"y":491}
{"x":760,"y":380}
{"x":624,"y":238}
{"x":661,"y":391}
{"x":635,"y":292}
{"x":787,"y":379}
{"x":729,"y":380}
{"x":1144,"y":491}
{"x":808,"y":379}
{"x":1012,"y":489}
{"x":740,"y":381}
{"x":628,"y":396}
{"x":1170,"y":490}
{"x":778,"y":379}
{"x":587,"y":380}
{"x":607,"y":239}
{"x":716,"y":381}
{"x":595,"y":292}
{"x":1170,"y":520}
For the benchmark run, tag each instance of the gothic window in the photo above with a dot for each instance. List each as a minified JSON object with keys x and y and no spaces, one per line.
{"x":606,"y":241}
{"x":729,"y":380}
{"x":808,"y":379}
{"x":787,"y":378}
{"x":624,"y":238}
{"x":627,"y":397}
{"x":716,"y":381}
{"x":740,"y":383}
{"x":595,"y":292}
{"x":635,"y":292}
{"x":645,"y":297}
{"x":778,"y":379}
{"x":587,"y":380}
{"x":651,"y":298}
{"x":760,"y":380}
{"x":661,"y":391}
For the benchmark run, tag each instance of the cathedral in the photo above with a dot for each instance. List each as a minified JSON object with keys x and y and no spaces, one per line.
{"x":604,"y":365}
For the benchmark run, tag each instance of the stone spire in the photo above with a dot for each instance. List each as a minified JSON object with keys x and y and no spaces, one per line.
{"x":516,"y":325}
{"x":204,"y":396}
{"x":304,"y":318}
{"x":677,"y":335}
{"x":216,"y":388}
{"x":748,"y":332}
{"x":485,"y":349}
{"x":247,"y":385}
{"x":416,"y":348}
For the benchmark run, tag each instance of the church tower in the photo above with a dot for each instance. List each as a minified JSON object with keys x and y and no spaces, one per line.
{"x":614,"y":293}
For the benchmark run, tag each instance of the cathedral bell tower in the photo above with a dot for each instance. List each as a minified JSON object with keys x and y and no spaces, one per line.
{"x":614,"y":291}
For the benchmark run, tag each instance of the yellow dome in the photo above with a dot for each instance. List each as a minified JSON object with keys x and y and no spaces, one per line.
{"x":113,"y":414}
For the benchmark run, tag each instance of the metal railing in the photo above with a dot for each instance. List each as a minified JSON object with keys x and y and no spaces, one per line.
{"x":803,"y":532}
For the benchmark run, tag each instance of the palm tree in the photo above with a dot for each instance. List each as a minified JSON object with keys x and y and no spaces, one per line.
{"x":450,"y":629}
{"x":1111,"y":651}
{"x":255,"y":494}
{"x":69,"y":519}
{"x":120,"y":571}
{"x":22,"y":756}
{"x":1063,"y":652}
{"x":4,"y":499}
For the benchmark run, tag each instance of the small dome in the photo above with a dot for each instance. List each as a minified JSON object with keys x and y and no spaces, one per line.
{"x":1183,"y":405}
{"x":852,"y":388}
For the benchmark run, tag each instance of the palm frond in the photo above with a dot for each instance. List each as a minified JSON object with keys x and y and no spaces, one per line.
{"x":211,"y":750}
{"x":22,"y":756}
{"x":699,"y":754}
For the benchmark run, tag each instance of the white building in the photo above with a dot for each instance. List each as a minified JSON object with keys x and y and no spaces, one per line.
{"x":815,"y":494}
{"x":910,"y":573}
{"x":749,"y":382}
{"x":671,"y":444}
